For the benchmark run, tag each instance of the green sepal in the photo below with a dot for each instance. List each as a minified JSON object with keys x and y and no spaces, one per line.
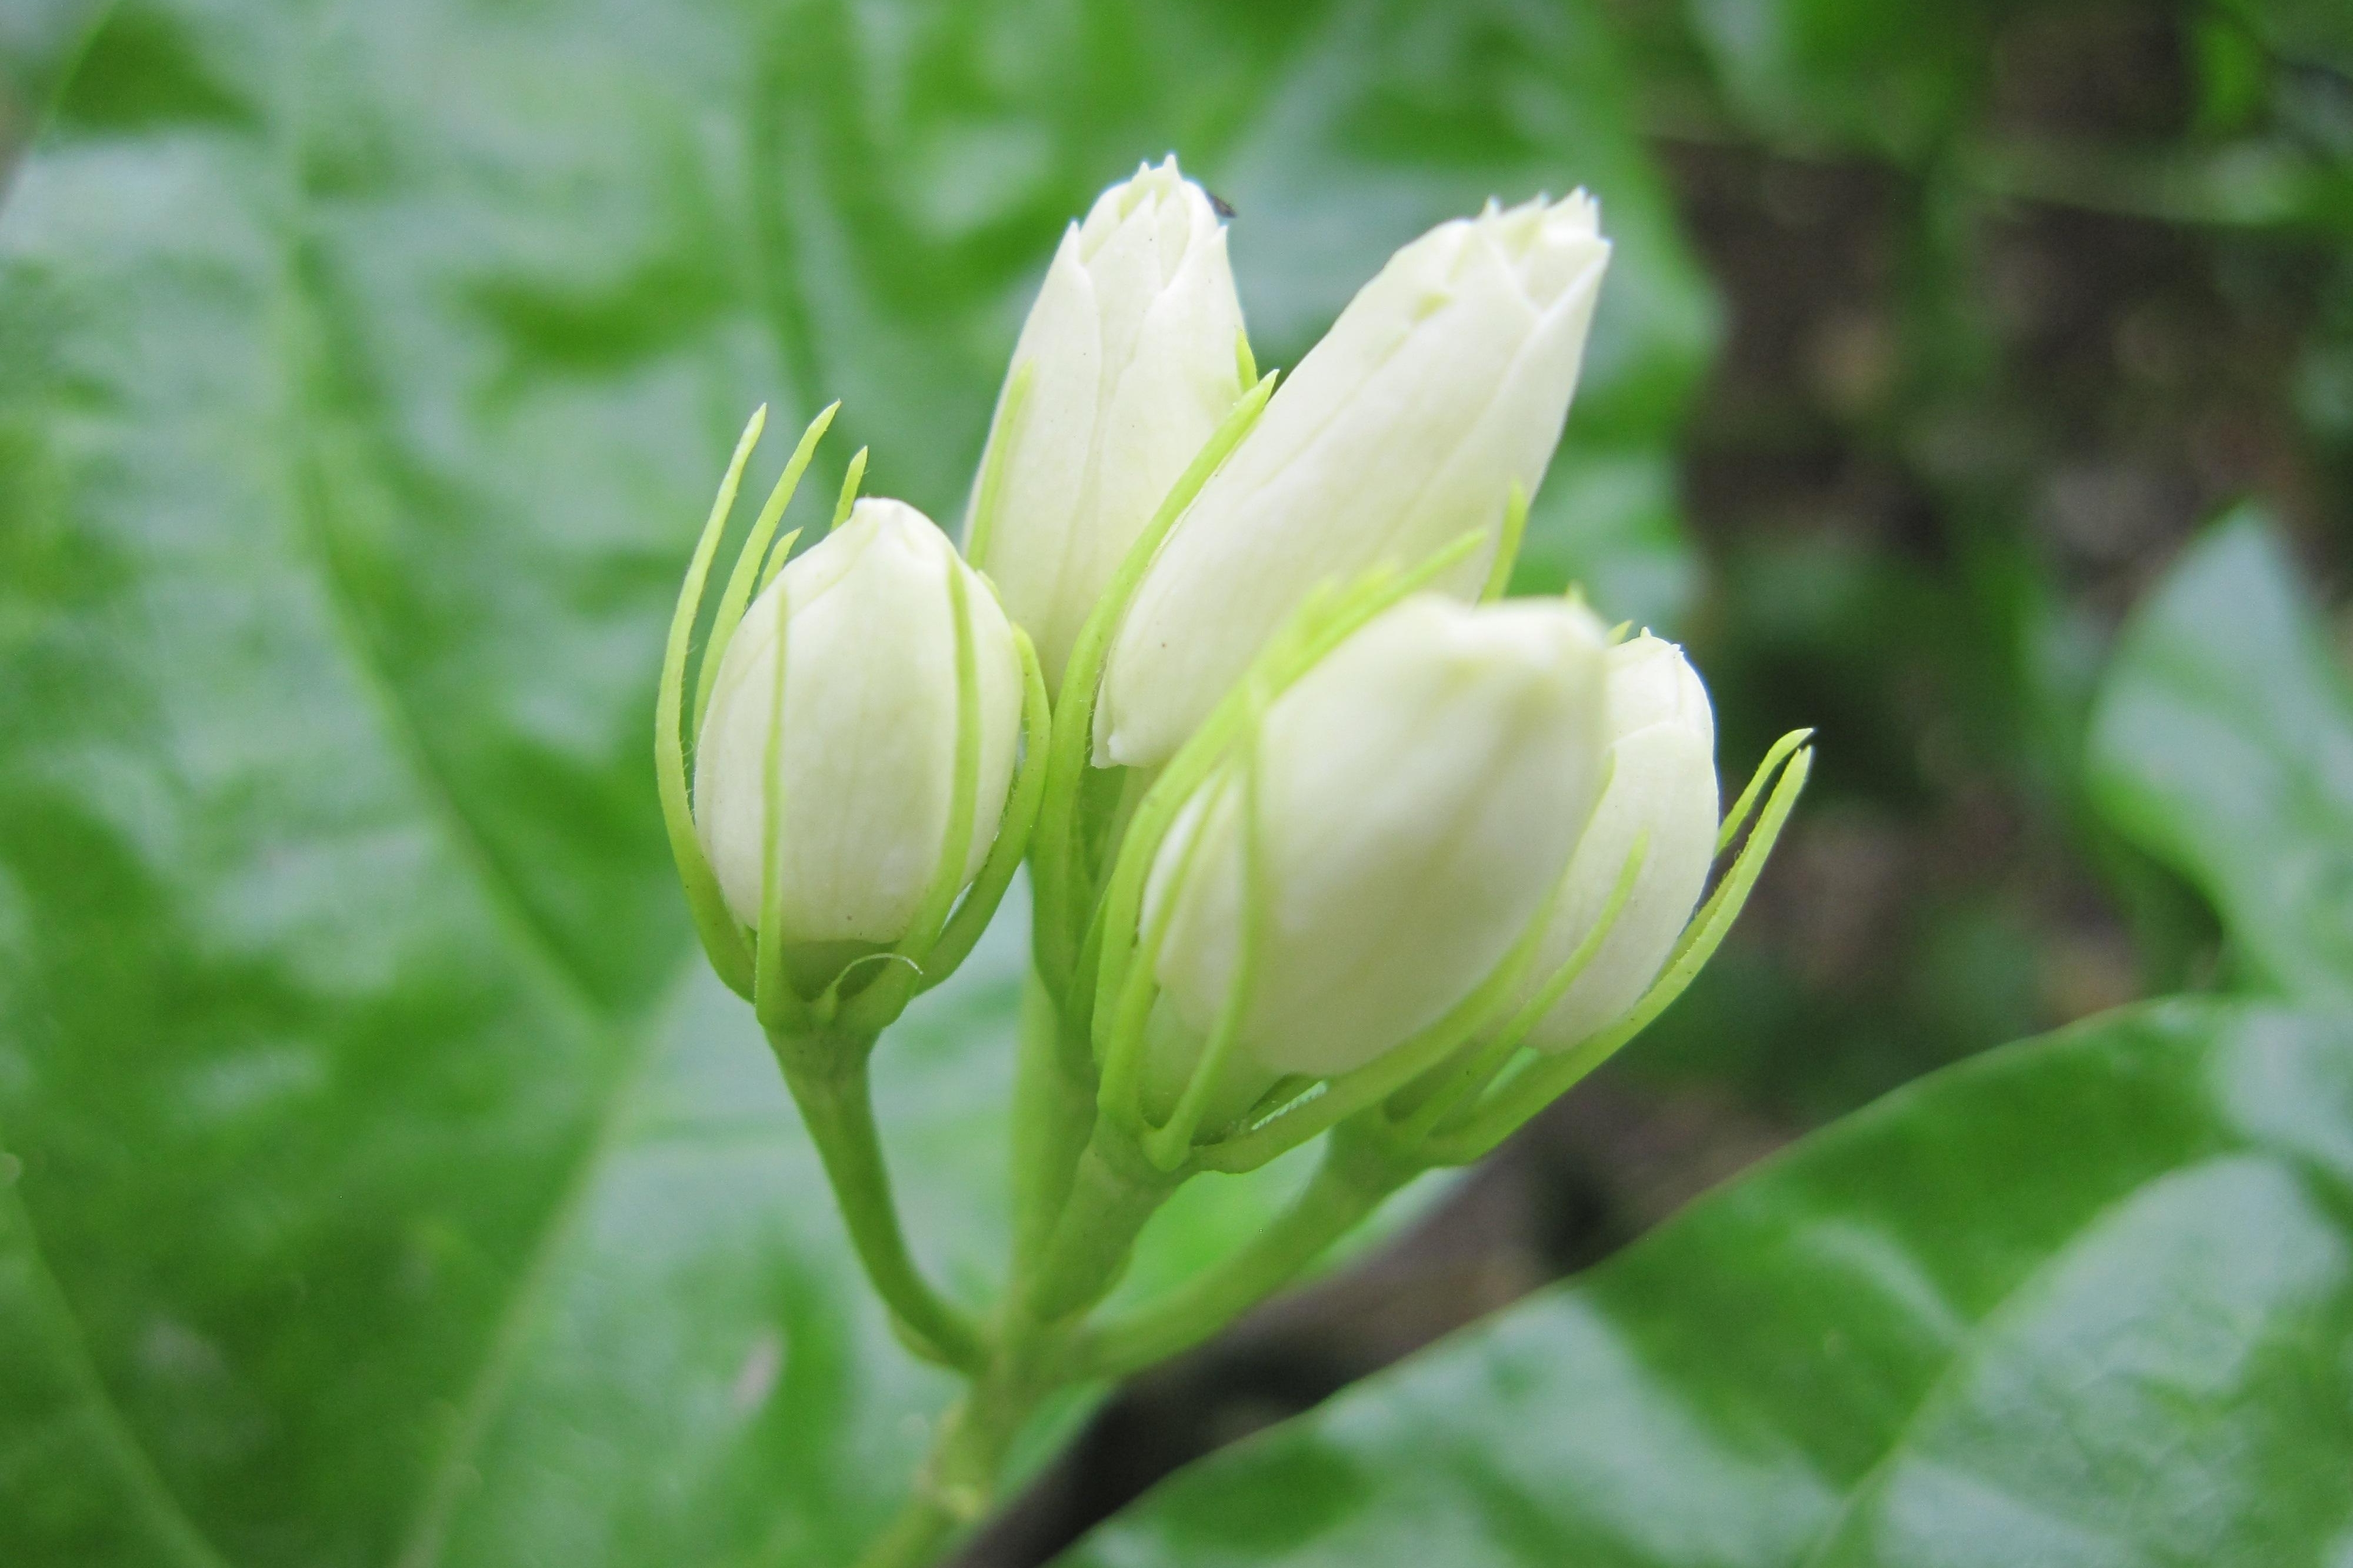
{"x":776,"y":559}
{"x":1737,"y":817}
{"x":1507,"y":546}
{"x":723,"y":939}
{"x":852,"y":478}
{"x":989,"y":495}
{"x":740,"y":581}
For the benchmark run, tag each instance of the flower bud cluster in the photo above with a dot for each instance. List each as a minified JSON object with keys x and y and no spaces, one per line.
{"x":1310,"y":805}
{"x":1323,"y":834}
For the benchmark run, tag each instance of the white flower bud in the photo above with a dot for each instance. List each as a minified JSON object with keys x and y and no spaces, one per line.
{"x":1131,"y":357}
{"x":1661,"y":784}
{"x":1443,"y":384}
{"x":1419,"y":791}
{"x":866,"y":766}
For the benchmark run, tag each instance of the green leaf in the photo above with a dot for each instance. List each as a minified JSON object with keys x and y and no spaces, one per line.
{"x":1607,"y":520}
{"x":37,"y":39}
{"x":2318,"y":31}
{"x":2086,"y":1301}
{"x":2223,"y":743}
{"x":1891,"y":79}
{"x":382,"y":1179}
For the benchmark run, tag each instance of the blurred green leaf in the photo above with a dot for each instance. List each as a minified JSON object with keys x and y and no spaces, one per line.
{"x":2223,"y":743}
{"x":2318,"y":31}
{"x":384,"y":1182}
{"x":1608,"y":521}
{"x":2085,"y":1301}
{"x":1888,"y":79}
{"x":2233,"y":75}
{"x":37,"y":39}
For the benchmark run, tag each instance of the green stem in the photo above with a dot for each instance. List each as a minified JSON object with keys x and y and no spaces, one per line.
{"x":1352,"y":1182}
{"x":914,"y":1538}
{"x":958,"y":1485}
{"x":1022,"y":1358}
{"x":1113,"y":1189}
{"x":958,"y":1482}
{"x":1054,"y":1113}
{"x":826,"y":1073}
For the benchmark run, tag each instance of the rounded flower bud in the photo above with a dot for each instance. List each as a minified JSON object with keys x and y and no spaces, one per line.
{"x":1661,"y":786}
{"x":866,"y":766}
{"x":1129,"y":359}
{"x":1419,"y":793}
{"x":1443,"y":386}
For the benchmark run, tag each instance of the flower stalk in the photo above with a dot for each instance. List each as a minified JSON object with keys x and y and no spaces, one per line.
{"x":1356,"y":1176}
{"x":826,"y":1073}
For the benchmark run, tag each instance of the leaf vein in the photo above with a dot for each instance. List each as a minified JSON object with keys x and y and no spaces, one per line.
{"x":156,"y":1503}
{"x":631,"y":1048}
{"x":1963,"y":1356}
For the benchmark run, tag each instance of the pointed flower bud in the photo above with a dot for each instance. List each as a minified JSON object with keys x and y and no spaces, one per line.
{"x":1441,"y":387}
{"x":1417,"y":794}
{"x":1661,"y":791}
{"x":865,"y":769}
{"x":1130,"y":357}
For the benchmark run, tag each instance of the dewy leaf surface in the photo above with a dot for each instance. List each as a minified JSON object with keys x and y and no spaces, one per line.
{"x":2223,"y":742}
{"x":382,"y":1181}
{"x":2086,"y":1301}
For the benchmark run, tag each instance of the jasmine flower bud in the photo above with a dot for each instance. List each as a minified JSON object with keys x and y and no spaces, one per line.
{"x":866,"y":766}
{"x":1441,"y":387}
{"x":1661,"y":789}
{"x":1130,"y":357}
{"x":1417,"y":794}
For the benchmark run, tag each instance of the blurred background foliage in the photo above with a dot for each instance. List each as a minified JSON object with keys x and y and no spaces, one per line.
{"x":1934,"y":334}
{"x":2020,"y":295}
